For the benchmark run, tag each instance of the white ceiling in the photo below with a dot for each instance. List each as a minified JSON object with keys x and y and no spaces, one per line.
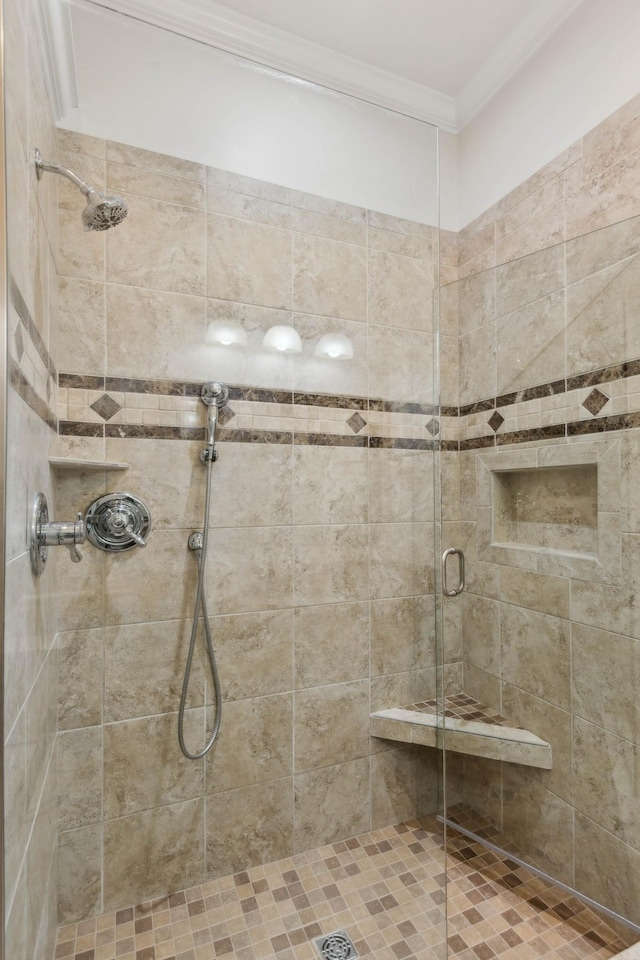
{"x":438,"y":60}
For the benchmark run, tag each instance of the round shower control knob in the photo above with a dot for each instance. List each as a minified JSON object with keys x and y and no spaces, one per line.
{"x":117,"y":522}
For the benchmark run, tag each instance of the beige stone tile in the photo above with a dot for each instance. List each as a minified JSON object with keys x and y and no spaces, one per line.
{"x":481,"y":632}
{"x":333,"y":227}
{"x":402,"y":635}
{"x":604,"y":668}
{"x":476,"y":300}
{"x":528,"y":279}
{"x":478,"y":380}
{"x":605,"y":605}
{"x":411,"y":228}
{"x":520,"y":213}
{"x":39,"y":738}
{"x":230,"y":203}
{"x":15,"y":934}
{"x":81,"y":326}
{"x":405,"y":245}
{"x":543,"y":230}
{"x":79,"y":873}
{"x":482,"y":686}
{"x":81,"y":254}
{"x":400,"y":485}
{"x":76,"y":144}
{"x":400,"y":291}
{"x":613,"y":139}
{"x":141,"y":182}
{"x":255,"y":744}
{"x":598,"y":200}
{"x":473,"y":244}
{"x":249,"y":826}
{"x":535,"y":654}
{"x":160,"y":245}
{"x":400,"y":559}
{"x":134,"y":317}
{"x":552,"y":725}
{"x":484,"y":787}
{"x":226,"y":180}
{"x":248,"y":262}
{"x":153,"y":584}
{"x":79,"y":772}
{"x":80,"y":679}
{"x":331,"y":724}
{"x":324,"y":811}
{"x":160,"y":163}
{"x":400,"y":365}
{"x":599,"y":249}
{"x":531,"y":344}
{"x":330,"y":563}
{"x":394,"y":792}
{"x":331,"y":643}
{"x":604,"y":771}
{"x":329,"y":278}
{"x":144,"y":767}
{"x":606,"y":868}
{"x":535,"y":591}
{"x":144,"y":666}
{"x":325,"y":374}
{"x":601,"y":330}
{"x":538,"y":821}
{"x":253,"y":571}
{"x":254,"y":653}
{"x":251,"y":364}
{"x":153,"y":853}
{"x":15,"y":802}
{"x":329,"y":485}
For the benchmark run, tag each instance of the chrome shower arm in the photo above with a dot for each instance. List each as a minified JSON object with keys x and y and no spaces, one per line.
{"x":43,"y":166}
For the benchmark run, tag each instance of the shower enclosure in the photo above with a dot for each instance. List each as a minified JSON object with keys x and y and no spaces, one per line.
{"x":423,"y":540}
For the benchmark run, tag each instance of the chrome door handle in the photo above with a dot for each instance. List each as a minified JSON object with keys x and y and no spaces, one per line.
{"x":456,"y":590}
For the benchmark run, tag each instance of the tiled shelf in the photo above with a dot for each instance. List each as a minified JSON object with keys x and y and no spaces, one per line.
{"x":469,"y":727}
{"x":67,"y":463}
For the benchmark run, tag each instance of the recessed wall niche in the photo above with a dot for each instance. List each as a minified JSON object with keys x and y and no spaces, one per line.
{"x":553,"y":509}
{"x":547,"y":508}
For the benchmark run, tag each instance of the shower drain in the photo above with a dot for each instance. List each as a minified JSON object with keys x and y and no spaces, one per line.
{"x":336,"y":946}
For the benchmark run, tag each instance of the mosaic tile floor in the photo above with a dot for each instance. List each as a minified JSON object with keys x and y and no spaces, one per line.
{"x":384,"y":888}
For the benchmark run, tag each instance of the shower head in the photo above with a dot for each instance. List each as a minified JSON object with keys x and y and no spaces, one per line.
{"x":101,"y":211}
{"x":215,"y":393}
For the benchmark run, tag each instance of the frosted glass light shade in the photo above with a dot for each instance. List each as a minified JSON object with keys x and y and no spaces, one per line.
{"x":227,"y":333}
{"x":283,"y":339}
{"x":337,"y":346}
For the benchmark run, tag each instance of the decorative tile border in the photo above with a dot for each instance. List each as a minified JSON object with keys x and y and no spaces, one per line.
{"x":171,"y":410}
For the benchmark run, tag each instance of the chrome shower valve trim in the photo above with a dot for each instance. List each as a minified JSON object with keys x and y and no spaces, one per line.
{"x":44,"y":534}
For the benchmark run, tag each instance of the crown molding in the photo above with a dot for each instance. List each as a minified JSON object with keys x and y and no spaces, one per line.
{"x":532,"y":31}
{"x":218,"y":26}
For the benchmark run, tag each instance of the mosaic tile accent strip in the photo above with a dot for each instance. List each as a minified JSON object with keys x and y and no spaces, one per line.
{"x":540,"y":413}
{"x":386,"y":889}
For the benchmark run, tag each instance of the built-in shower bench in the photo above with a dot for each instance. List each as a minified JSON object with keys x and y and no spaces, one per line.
{"x":469,"y":727}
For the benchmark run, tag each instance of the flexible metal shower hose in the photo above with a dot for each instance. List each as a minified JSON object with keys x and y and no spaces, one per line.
{"x":201,"y":607}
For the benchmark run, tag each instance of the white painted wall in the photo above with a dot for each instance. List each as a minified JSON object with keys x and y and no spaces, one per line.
{"x":585,"y":72}
{"x":150,"y":88}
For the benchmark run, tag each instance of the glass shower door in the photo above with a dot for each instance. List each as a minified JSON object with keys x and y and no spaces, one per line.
{"x":540,"y":693}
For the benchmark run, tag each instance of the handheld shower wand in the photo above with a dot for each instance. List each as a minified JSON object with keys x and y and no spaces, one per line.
{"x":215,"y":395}
{"x":101,"y":211}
